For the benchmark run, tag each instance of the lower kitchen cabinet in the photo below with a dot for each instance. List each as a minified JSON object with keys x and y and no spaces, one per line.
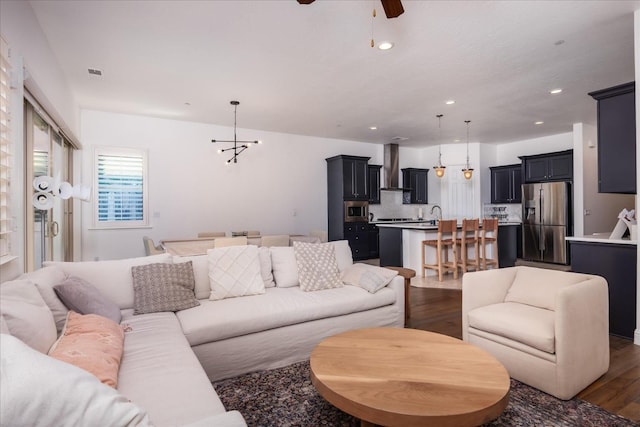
{"x":374,"y":241}
{"x":509,"y":244}
{"x":390,"y":247}
{"x":618,"y":264}
{"x":357,"y":234}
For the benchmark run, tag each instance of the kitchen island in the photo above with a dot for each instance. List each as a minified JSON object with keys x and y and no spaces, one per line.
{"x":616,"y":261}
{"x":401,"y":245}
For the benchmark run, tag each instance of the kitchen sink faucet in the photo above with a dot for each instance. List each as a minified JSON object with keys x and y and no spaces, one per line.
{"x":439,"y":211}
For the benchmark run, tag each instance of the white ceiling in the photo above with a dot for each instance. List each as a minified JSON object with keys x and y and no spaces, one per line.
{"x":309,"y":69}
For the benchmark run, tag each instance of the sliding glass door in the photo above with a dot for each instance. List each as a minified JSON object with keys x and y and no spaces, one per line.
{"x":49,"y":230}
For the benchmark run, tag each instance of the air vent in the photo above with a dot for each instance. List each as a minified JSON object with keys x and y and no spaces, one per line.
{"x":399,"y":138}
{"x":95,"y":72}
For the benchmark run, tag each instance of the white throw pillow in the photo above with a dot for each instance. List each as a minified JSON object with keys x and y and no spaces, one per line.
{"x":368,"y":277}
{"x":265,"y":267}
{"x":234,"y":271}
{"x":317,"y":266}
{"x":45,"y":279}
{"x":27,"y":315}
{"x":38,"y":390}
{"x":343,"y":254}
{"x":285,"y":267}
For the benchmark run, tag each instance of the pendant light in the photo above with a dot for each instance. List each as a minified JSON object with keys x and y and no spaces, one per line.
{"x":236,"y":149}
{"x":467,"y":172}
{"x":439,"y":168}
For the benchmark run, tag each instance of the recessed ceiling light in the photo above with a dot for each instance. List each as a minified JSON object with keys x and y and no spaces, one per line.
{"x":456,"y":140}
{"x":373,"y":127}
{"x":385,"y":45}
{"x":554,"y":91}
{"x":450,"y":102}
{"x":187,"y":103}
{"x":539,"y":123}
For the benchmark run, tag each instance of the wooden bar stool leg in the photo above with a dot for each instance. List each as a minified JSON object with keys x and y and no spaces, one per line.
{"x":439,"y":261}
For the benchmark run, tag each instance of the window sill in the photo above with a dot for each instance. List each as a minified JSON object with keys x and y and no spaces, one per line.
{"x":124,"y":227}
{"x":7,"y":259}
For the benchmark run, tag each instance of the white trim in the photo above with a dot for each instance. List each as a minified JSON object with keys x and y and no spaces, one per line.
{"x":636,"y":337}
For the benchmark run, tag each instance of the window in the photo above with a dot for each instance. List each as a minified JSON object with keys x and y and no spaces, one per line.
{"x":120,"y":188}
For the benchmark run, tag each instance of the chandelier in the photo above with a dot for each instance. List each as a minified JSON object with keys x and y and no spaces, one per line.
{"x":243,"y":145}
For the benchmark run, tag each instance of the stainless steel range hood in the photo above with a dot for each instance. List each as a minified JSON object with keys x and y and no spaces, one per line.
{"x":391,"y":169}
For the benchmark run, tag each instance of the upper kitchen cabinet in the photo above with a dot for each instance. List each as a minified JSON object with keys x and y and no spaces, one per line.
{"x":506,"y":184}
{"x":547,"y":167}
{"x":352,"y":173}
{"x":416,"y":180}
{"x":616,"y":139}
{"x":374,"y":184}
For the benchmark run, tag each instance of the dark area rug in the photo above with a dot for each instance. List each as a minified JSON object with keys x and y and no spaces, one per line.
{"x":285,"y":397}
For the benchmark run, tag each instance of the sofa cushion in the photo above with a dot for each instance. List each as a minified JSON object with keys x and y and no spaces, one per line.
{"x":82,"y":297}
{"x":344,"y":257}
{"x":40,"y":391}
{"x":234,"y":271}
{"x":266,"y":270}
{"x":27,"y":315}
{"x":45,"y":279}
{"x":200,"y":265}
{"x":163,"y":287}
{"x":368,"y":277}
{"x":538,"y":286}
{"x":93,"y":343}
{"x":160,"y":372}
{"x":112,"y":278}
{"x":232,"y":317}
{"x":523,"y":323}
{"x":285,"y":266}
{"x":317,"y":266}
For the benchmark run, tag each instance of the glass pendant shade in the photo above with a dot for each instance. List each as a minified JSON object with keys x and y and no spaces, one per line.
{"x":468,"y":173}
{"x":439,"y":171}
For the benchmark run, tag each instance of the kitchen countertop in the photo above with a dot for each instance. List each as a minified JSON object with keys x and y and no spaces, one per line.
{"x":424,"y":225}
{"x":601,"y":238}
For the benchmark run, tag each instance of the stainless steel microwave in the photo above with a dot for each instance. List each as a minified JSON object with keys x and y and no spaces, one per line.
{"x":356,"y":211}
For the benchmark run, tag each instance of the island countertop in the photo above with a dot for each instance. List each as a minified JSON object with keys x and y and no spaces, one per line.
{"x":601,"y":238}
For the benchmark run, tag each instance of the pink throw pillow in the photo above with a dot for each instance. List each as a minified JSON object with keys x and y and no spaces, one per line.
{"x":93,"y":343}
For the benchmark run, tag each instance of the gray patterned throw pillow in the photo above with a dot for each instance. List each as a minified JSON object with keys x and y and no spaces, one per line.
{"x":317,"y":266}
{"x":163,"y":287}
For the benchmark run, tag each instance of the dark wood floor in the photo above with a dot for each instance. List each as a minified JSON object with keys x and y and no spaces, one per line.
{"x":618,"y":391}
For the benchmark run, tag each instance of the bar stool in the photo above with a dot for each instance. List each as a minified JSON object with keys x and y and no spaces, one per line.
{"x":446,"y":239}
{"x":469,"y":238}
{"x":489,"y":237}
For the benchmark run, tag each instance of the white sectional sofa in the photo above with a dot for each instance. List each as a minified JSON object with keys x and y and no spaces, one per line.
{"x":170,"y":359}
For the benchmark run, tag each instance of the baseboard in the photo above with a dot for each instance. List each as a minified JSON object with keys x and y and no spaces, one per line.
{"x":636,"y":337}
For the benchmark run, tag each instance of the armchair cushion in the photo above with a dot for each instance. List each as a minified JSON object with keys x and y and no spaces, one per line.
{"x":538,"y":287}
{"x":519,"y":322}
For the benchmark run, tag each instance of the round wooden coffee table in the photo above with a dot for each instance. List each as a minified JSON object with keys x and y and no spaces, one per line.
{"x":409,"y":377}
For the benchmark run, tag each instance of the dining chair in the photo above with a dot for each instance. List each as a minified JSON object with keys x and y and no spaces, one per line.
{"x":275,"y":240}
{"x":221,"y":242}
{"x":150,"y":248}
{"x":204,"y":234}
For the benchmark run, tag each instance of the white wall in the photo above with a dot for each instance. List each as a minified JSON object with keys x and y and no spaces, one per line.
{"x":598,"y":211}
{"x":30,"y":49}
{"x":279,"y":187}
{"x":508,"y":153}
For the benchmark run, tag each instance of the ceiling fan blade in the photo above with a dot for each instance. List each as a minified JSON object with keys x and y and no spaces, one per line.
{"x":392,"y":8}
{"x":306,"y":1}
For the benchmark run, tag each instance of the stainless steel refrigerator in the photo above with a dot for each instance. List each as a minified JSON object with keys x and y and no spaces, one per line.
{"x":546,"y":221}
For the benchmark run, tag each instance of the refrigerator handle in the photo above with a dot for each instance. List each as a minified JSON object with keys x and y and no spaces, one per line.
{"x":541,"y":210}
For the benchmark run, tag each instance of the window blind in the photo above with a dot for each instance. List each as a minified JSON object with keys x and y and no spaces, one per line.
{"x":6,"y":160}
{"x":121,"y":181}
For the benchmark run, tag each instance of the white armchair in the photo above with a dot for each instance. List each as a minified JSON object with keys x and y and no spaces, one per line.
{"x":549,"y":328}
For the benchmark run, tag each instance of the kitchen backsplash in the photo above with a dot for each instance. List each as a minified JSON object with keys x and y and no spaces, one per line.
{"x":503,"y":212}
{"x":391,"y":207}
